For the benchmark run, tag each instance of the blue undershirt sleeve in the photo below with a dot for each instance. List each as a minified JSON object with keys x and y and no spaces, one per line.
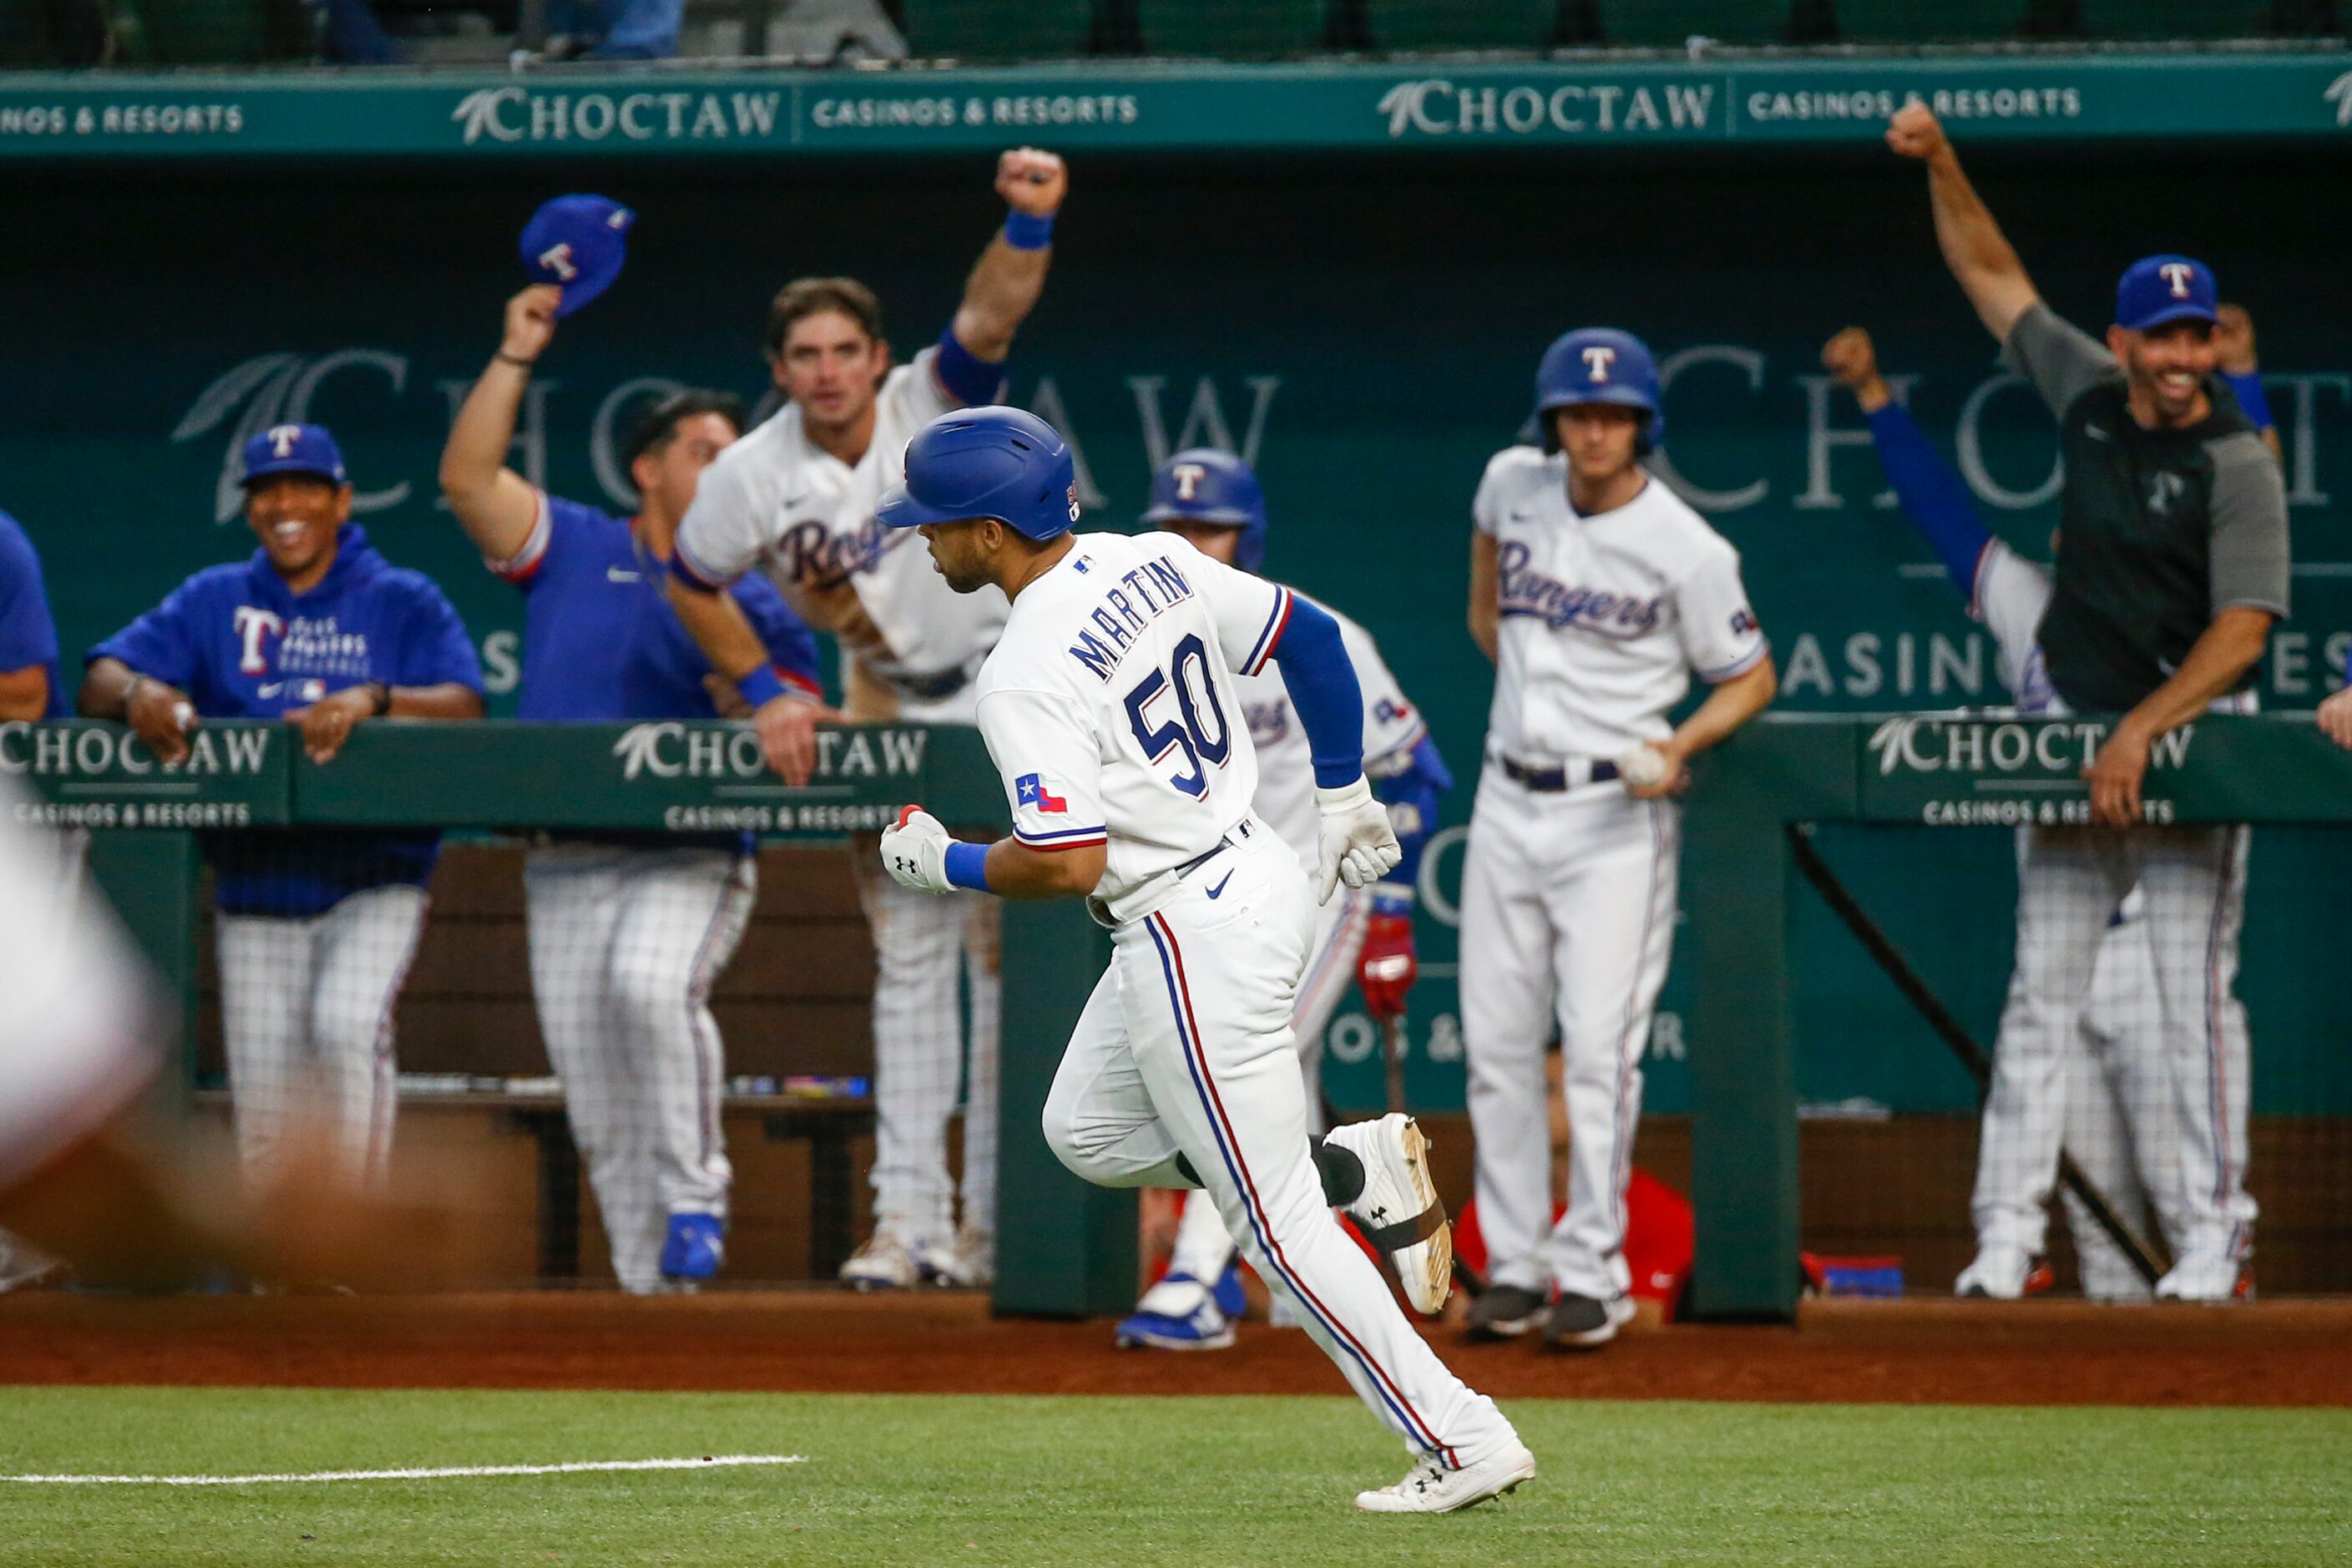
{"x":968,"y":379}
{"x":1934,"y":496}
{"x":1323,"y":687}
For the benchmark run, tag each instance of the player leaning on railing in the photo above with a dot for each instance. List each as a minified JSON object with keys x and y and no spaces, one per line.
{"x":2171,"y":568}
{"x":627,"y":936}
{"x":316,"y":927}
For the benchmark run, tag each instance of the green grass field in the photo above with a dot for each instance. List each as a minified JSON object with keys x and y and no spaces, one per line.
{"x":1128,"y":1482}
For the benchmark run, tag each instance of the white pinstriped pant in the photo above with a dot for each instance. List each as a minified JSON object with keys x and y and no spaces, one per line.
{"x":1204,"y":1246}
{"x":625,"y":944}
{"x":925,"y":944}
{"x":1185,"y":1047}
{"x":1568,"y":910}
{"x":306,"y":1017}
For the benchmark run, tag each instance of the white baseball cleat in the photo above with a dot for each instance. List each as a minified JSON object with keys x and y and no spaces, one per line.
{"x":967,"y":1262}
{"x":1430,"y":1487}
{"x":883,"y":1263}
{"x":1399,"y":1210}
{"x":2003,"y":1273}
{"x":2207,"y":1278}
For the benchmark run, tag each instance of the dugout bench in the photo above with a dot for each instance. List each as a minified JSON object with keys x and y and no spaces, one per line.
{"x":1066,"y":1248}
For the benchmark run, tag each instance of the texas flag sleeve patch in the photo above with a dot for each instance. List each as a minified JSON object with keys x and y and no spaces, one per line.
{"x":1032,"y":790}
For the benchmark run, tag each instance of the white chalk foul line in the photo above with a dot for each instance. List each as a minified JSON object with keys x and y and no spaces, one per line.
{"x":447,"y":1472}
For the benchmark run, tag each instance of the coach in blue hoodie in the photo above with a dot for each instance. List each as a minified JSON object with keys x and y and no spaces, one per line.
{"x":316,"y":927}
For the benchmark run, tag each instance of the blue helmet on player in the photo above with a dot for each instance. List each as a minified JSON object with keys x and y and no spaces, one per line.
{"x":1599,"y":364}
{"x":1204,"y":485}
{"x":1004,"y":463}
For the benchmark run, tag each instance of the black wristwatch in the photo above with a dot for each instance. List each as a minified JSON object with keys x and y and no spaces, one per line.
{"x":379,"y":698}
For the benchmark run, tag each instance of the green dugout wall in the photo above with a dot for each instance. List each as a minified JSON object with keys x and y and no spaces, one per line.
{"x":1068,"y":1248}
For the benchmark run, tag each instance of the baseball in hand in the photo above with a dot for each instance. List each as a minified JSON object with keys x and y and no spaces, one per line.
{"x":1643,"y":767}
{"x":183,"y":716}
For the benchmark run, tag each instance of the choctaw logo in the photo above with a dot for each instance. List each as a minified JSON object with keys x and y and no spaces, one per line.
{"x":676,"y":750}
{"x":2065,"y":747}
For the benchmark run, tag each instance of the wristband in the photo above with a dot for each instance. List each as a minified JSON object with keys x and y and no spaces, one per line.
{"x":1391,"y":898}
{"x":2249,"y":388}
{"x":520,"y":363}
{"x":967,"y":866}
{"x":379,"y":698}
{"x":762,"y":685}
{"x":1028,"y":231}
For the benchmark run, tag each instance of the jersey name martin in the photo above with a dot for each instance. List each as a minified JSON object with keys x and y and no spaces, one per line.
{"x":1529,"y":592}
{"x":1140,"y":596}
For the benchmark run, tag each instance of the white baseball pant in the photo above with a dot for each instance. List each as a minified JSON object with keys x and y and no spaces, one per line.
{"x":626,"y":945}
{"x":2071,"y":883}
{"x":1204,"y":1245}
{"x":1567,"y":903}
{"x":2119,"y":1113}
{"x":928,"y":949}
{"x":1186,"y":1047}
{"x":306,"y":1017}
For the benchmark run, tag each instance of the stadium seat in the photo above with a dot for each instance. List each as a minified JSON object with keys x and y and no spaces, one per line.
{"x":984,"y":30}
{"x":2186,"y":19}
{"x":1668,"y":24}
{"x":1927,"y":21}
{"x":1437,"y":25}
{"x":1255,"y":30}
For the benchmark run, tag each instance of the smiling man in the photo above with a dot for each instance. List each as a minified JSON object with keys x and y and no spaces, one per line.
{"x":2171,"y":568}
{"x":316,"y":927}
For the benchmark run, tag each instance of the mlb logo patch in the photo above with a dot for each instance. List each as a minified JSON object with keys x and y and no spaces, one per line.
{"x":1032,"y":790}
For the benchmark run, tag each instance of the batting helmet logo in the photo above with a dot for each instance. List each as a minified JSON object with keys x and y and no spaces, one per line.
{"x":1188,"y":477}
{"x":1598,"y":359}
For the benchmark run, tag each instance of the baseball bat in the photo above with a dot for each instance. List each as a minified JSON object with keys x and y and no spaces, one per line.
{"x":1972,"y":1055}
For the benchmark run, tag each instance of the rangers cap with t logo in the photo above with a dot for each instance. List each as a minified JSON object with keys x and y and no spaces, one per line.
{"x":292,"y":449}
{"x":578,"y":244}
{"x":2161,"y":289}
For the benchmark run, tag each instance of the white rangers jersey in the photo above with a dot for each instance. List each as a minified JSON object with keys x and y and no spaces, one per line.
{"x":777,"y":500}
{"x":1603,"y":619}
{"x":1110,"y":706}
{"x":1285,"y":760}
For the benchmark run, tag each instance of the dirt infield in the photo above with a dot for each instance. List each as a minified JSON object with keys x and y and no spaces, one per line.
{"x":2275,"y":1353}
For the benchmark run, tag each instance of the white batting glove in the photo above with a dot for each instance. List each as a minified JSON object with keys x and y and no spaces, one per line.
{"x":915,"y":851}
{"x":1356,"y":844}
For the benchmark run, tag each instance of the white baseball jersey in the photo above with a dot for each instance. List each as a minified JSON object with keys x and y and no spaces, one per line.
{"x":1285,"y":760}
{"x":1602,"y":619}
{"x":776,"y":499}
{"x":1110,"y":706}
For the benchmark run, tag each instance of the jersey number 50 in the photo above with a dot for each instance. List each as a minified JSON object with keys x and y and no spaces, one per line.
{"x":1183,"y":733}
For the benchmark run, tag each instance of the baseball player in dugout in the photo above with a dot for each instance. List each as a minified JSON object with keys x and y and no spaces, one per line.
{"x":796,"y":498}
{"x":1598,"y":593}
{"x":2171,"y":568}
{"x":1111,"y":712}
{"x":316,"y":927}
{"x":628,"y":934}
{"x":1213,"y":502}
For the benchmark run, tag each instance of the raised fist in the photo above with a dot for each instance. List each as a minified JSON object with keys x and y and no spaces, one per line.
{"x":531,"y":322}
{"x":1031,"y":181}
{"x":1850,"y":360}
{"x":1914,"y":132}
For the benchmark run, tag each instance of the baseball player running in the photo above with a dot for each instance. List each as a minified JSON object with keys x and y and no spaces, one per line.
{"x":1110,"y":711}
{"x":1598,"y":593}
{"x":316,"y":927}
{"x":797,"y":498}
{"x":628,"y":934}
{"x":2171,"y":568}
{"x":2116,"y":1104}
{"x":1213,"y":500}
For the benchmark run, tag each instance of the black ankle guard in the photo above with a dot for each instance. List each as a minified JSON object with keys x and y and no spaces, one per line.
{"x":1342,"y":1173}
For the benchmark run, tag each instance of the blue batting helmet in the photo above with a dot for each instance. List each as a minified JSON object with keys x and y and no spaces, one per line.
{"x":1004,"y":463}
{"x":1204,"y":485}
{"x":1599,"y":364}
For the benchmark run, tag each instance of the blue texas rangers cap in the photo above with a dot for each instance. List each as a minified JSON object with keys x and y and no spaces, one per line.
{"x":293,"y":449}
{"x":2161,"y":289}
{"x":578,"y":244}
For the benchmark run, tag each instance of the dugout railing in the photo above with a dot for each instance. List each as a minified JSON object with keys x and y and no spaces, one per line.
{"x":1758,"y":810}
